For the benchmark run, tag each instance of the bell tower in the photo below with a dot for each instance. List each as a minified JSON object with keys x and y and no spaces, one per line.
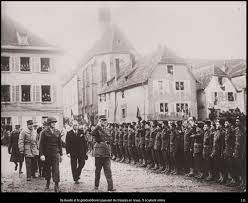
{"x":104,"y":18}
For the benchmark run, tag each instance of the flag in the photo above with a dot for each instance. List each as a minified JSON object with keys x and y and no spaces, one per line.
{"x":72,"y":115}
{"x":138,"y":113}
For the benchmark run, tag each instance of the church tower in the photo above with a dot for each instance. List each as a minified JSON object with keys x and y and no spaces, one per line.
{"x":104,"y":18}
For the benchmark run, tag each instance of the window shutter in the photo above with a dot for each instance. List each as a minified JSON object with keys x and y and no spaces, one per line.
{"x":38,"y":64}
{"x":13,"y":99}
{"x":17,"y":63}
{"x":33,"y":92}
{"x":52,"y":65}
{"x":235,"y":96}
{"x":187,"y":86}
{"x":53,"y":93}
{"x":225,"y":96}
{"x":38,"y":93}
{"x":17,"y":93}
{"x":166,"y":88}
{"x":11,"y":63}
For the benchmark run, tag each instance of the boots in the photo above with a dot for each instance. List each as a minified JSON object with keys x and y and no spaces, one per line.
{"x":191,"y":173}
{"x":210,"y":177}
{"x":56,"y":187}
{"x":47,"y":185}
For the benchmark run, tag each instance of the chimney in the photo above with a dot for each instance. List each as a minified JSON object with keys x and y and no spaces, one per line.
{"x":104,"y":18}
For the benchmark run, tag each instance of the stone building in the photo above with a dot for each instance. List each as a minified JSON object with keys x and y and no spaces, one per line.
{"x":29,"y":86}
{"x":215,"y":90}
{"x":159,"y":86}
{"x":98,"y":66}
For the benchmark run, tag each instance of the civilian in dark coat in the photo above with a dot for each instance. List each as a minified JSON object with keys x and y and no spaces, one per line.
{"x":13,"y":149}
{"x":76,"y":149}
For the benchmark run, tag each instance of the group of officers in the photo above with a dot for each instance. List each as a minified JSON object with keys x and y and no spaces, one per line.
{"x":209,"y":150}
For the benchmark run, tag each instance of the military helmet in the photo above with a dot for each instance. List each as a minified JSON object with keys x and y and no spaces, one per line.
{"x":51,"y":120}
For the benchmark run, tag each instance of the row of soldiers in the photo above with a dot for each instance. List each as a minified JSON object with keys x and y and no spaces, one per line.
{"x":210,"y":150}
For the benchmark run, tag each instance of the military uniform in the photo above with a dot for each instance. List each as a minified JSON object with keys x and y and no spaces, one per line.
{"x":121,"y":151}
{"x":189,"y":148}
{"x":198,"y":147}
{"x":157,"y":148}
{"x":173,"y":147}
{"x":116,"y":143}
{"x":51,"y":148}
{"x":165,"y":148}
{"x":180,"y":149}
{"x":148,"y":157}
{"x":142,"y":133}
{"x":151,"y":145}
{"x":125,"y":141}
{"x":137,"y":141}
{"x":102,"y":157}
{"x":207,"y":149}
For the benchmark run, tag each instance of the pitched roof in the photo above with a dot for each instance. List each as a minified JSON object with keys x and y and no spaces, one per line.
{"x":10,"y":29}
{"x":204,"y":74}
{"x":237,"y":70}
{"x":113,"y":40}
{"x":142,"y":70}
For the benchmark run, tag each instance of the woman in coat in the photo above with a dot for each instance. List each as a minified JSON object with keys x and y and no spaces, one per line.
{"x":13,"y":149}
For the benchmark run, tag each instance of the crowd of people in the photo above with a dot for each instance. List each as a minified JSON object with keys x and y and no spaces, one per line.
{"x":209,"y":150}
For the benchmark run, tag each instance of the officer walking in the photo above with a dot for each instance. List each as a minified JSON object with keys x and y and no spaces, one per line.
{"x":51,"y":152}
{"x":102,"y":154}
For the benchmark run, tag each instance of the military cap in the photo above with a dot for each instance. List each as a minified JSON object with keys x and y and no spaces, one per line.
{"x":200,"y":124}
{"x":102,"y":117}
{"x":133,"y":123}
{"x":165,"y":123}
{"x":143,"y":122}
{"x":155,"y":122}
{"x":221,"y":121}
{"x":17,"y":126}
{"x":29,"y":122}
{"x":51,"y":120}
{"x":179,"y":123}
{"x":207,"y":122}
{"x":173,"y":124}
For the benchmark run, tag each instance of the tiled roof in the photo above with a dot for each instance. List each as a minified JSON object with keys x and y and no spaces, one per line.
{"x":204,"y":75}
{"x":142,"y":70}
{"x":238,"y":70}
{"x":9,"y":30}
{"x":113,"y":40}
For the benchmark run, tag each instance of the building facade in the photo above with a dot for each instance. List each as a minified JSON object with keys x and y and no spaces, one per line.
{"x":161,"y":88}
{"x":216,"y":90}
{"x":30,"y":88}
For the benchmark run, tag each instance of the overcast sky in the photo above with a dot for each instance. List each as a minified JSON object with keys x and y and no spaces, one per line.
{"x":210,"y":30}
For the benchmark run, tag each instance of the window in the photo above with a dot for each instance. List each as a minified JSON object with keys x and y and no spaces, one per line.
{"x":104,"y":73}
{"x":179,"y":85}
{"x":45,"y":64}
{"x":25,"y":66}
{"x":160,"y":85}
{"x":123,"y":113}
{"x":122,"y":94}
{"x":100,"y":98}
{"x":4,"y":63}
{"x":5,"y":121}
{"x":26,"y":97}
{"x":182,"y":107}
{"x":117,"y":64}
{"x":230,"y":96}
{"x":163,"y":107}
{"x":5,"y":93}
{"x":46,"y":93}
{"x":170,"y":69}
{"x":220,"y":79}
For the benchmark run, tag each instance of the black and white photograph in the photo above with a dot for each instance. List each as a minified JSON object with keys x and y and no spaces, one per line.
{"x":123,"y":97}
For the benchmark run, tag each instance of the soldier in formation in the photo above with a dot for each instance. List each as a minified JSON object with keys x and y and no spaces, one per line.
{"x":210,"y":150}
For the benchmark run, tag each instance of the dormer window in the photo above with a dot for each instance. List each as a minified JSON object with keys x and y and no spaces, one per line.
{"x":220,"y":79}
{"x":22,"y":39}
{"x":169,"y":69}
